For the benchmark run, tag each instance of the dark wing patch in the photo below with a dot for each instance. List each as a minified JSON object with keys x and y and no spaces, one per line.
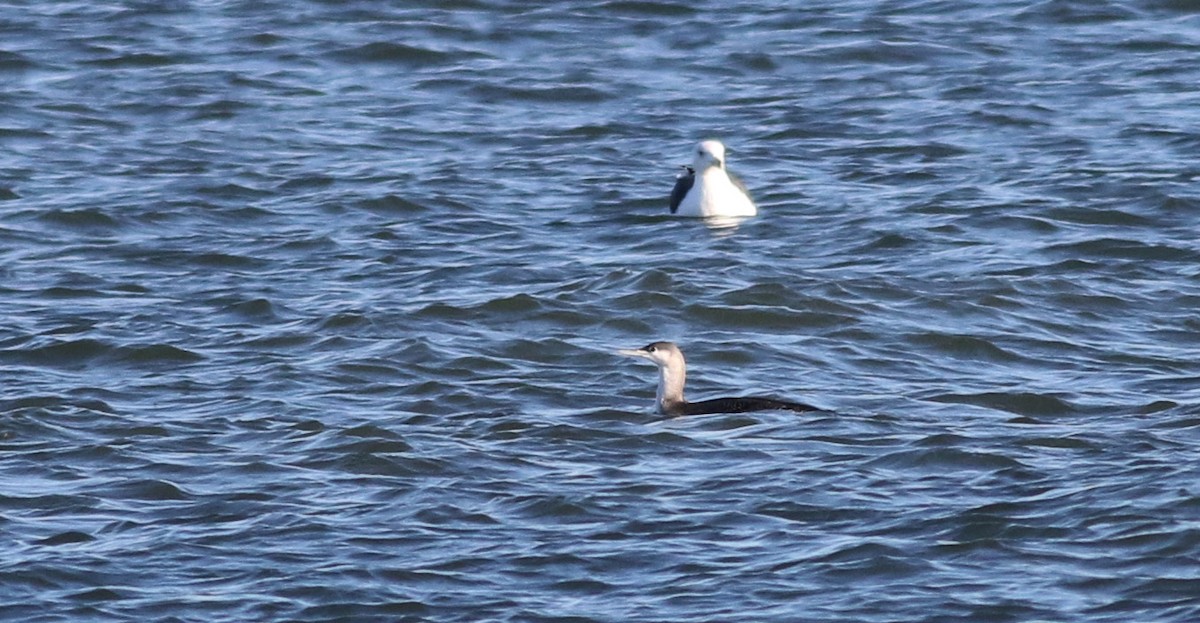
{"x":743,"y":405}
{"x":683,"y":184}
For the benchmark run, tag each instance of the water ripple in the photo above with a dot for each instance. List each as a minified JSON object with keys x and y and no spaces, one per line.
{"x":311,"y":310}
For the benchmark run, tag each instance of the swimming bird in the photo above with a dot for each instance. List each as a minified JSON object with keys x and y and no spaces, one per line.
{"x":671,"y":375}
{"x":706,"y":188}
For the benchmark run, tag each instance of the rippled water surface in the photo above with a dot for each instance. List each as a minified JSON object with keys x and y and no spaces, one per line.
{"x":310,"y":311}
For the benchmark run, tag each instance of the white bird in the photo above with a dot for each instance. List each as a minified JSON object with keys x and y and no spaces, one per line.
{"x":672,"y":372}
{"x":706,"y":188}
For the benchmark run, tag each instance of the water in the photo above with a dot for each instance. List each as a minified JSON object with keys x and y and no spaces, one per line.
{"x":310,"y":310}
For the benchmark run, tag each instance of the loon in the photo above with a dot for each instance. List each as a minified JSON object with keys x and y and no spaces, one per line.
{"x":716,"y":192}
{"x":671,"y":375}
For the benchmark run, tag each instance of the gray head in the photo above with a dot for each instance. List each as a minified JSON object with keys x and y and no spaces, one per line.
{"x":708,"y":154}
{"x":671,"y":372}
{"x":664,"y":354}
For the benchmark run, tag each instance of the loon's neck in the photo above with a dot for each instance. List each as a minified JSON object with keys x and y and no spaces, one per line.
{"x":670,"y":387}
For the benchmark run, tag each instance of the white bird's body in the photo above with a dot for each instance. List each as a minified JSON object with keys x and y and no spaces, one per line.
{"x":706,"y":188}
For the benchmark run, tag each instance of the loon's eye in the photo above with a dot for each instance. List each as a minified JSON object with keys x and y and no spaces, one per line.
{"x":650,"y":349}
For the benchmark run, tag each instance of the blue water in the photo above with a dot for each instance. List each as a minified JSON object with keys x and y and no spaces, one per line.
{"x":310,"y":311}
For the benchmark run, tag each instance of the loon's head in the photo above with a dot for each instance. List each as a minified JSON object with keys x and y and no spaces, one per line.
{"x":708,"y":154}
{"x":664,"y":354}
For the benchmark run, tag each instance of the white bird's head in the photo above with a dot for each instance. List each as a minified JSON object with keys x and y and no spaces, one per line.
{"x":708,"y":154}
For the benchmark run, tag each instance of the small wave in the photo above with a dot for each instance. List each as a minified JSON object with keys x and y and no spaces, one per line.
{"x":966,"y":347}
{"x":390,"y":52}
{"x":66,"y":354}
{"x":344,"y":321}
{"x":60,"y":292}
{"x":811,"y":513}
{"x":578,"y":94}
{"x":253,"y":309}
{"x":1119,"y":248}
{"x":308,"y":182}
{"x":97,"y":594}
{"x":230,"y":190}
{"x":86,"y":351}
{"x":641,"y":8}
{"x":67,"y":538}
{"x":516,"y":304}
{"x":157,"y":353}
{"x":148,"y":489}
{"x":372,"y":447}
{"x":940,"y":458}
{"x":1061,"y":443}
{"x":86,"y":218}
{"x":15,"y":61}
{"x":138,"y":60}
{"x":1073,"y":13}
{"x":392,"y":205}
{"x":1021,"y":403}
